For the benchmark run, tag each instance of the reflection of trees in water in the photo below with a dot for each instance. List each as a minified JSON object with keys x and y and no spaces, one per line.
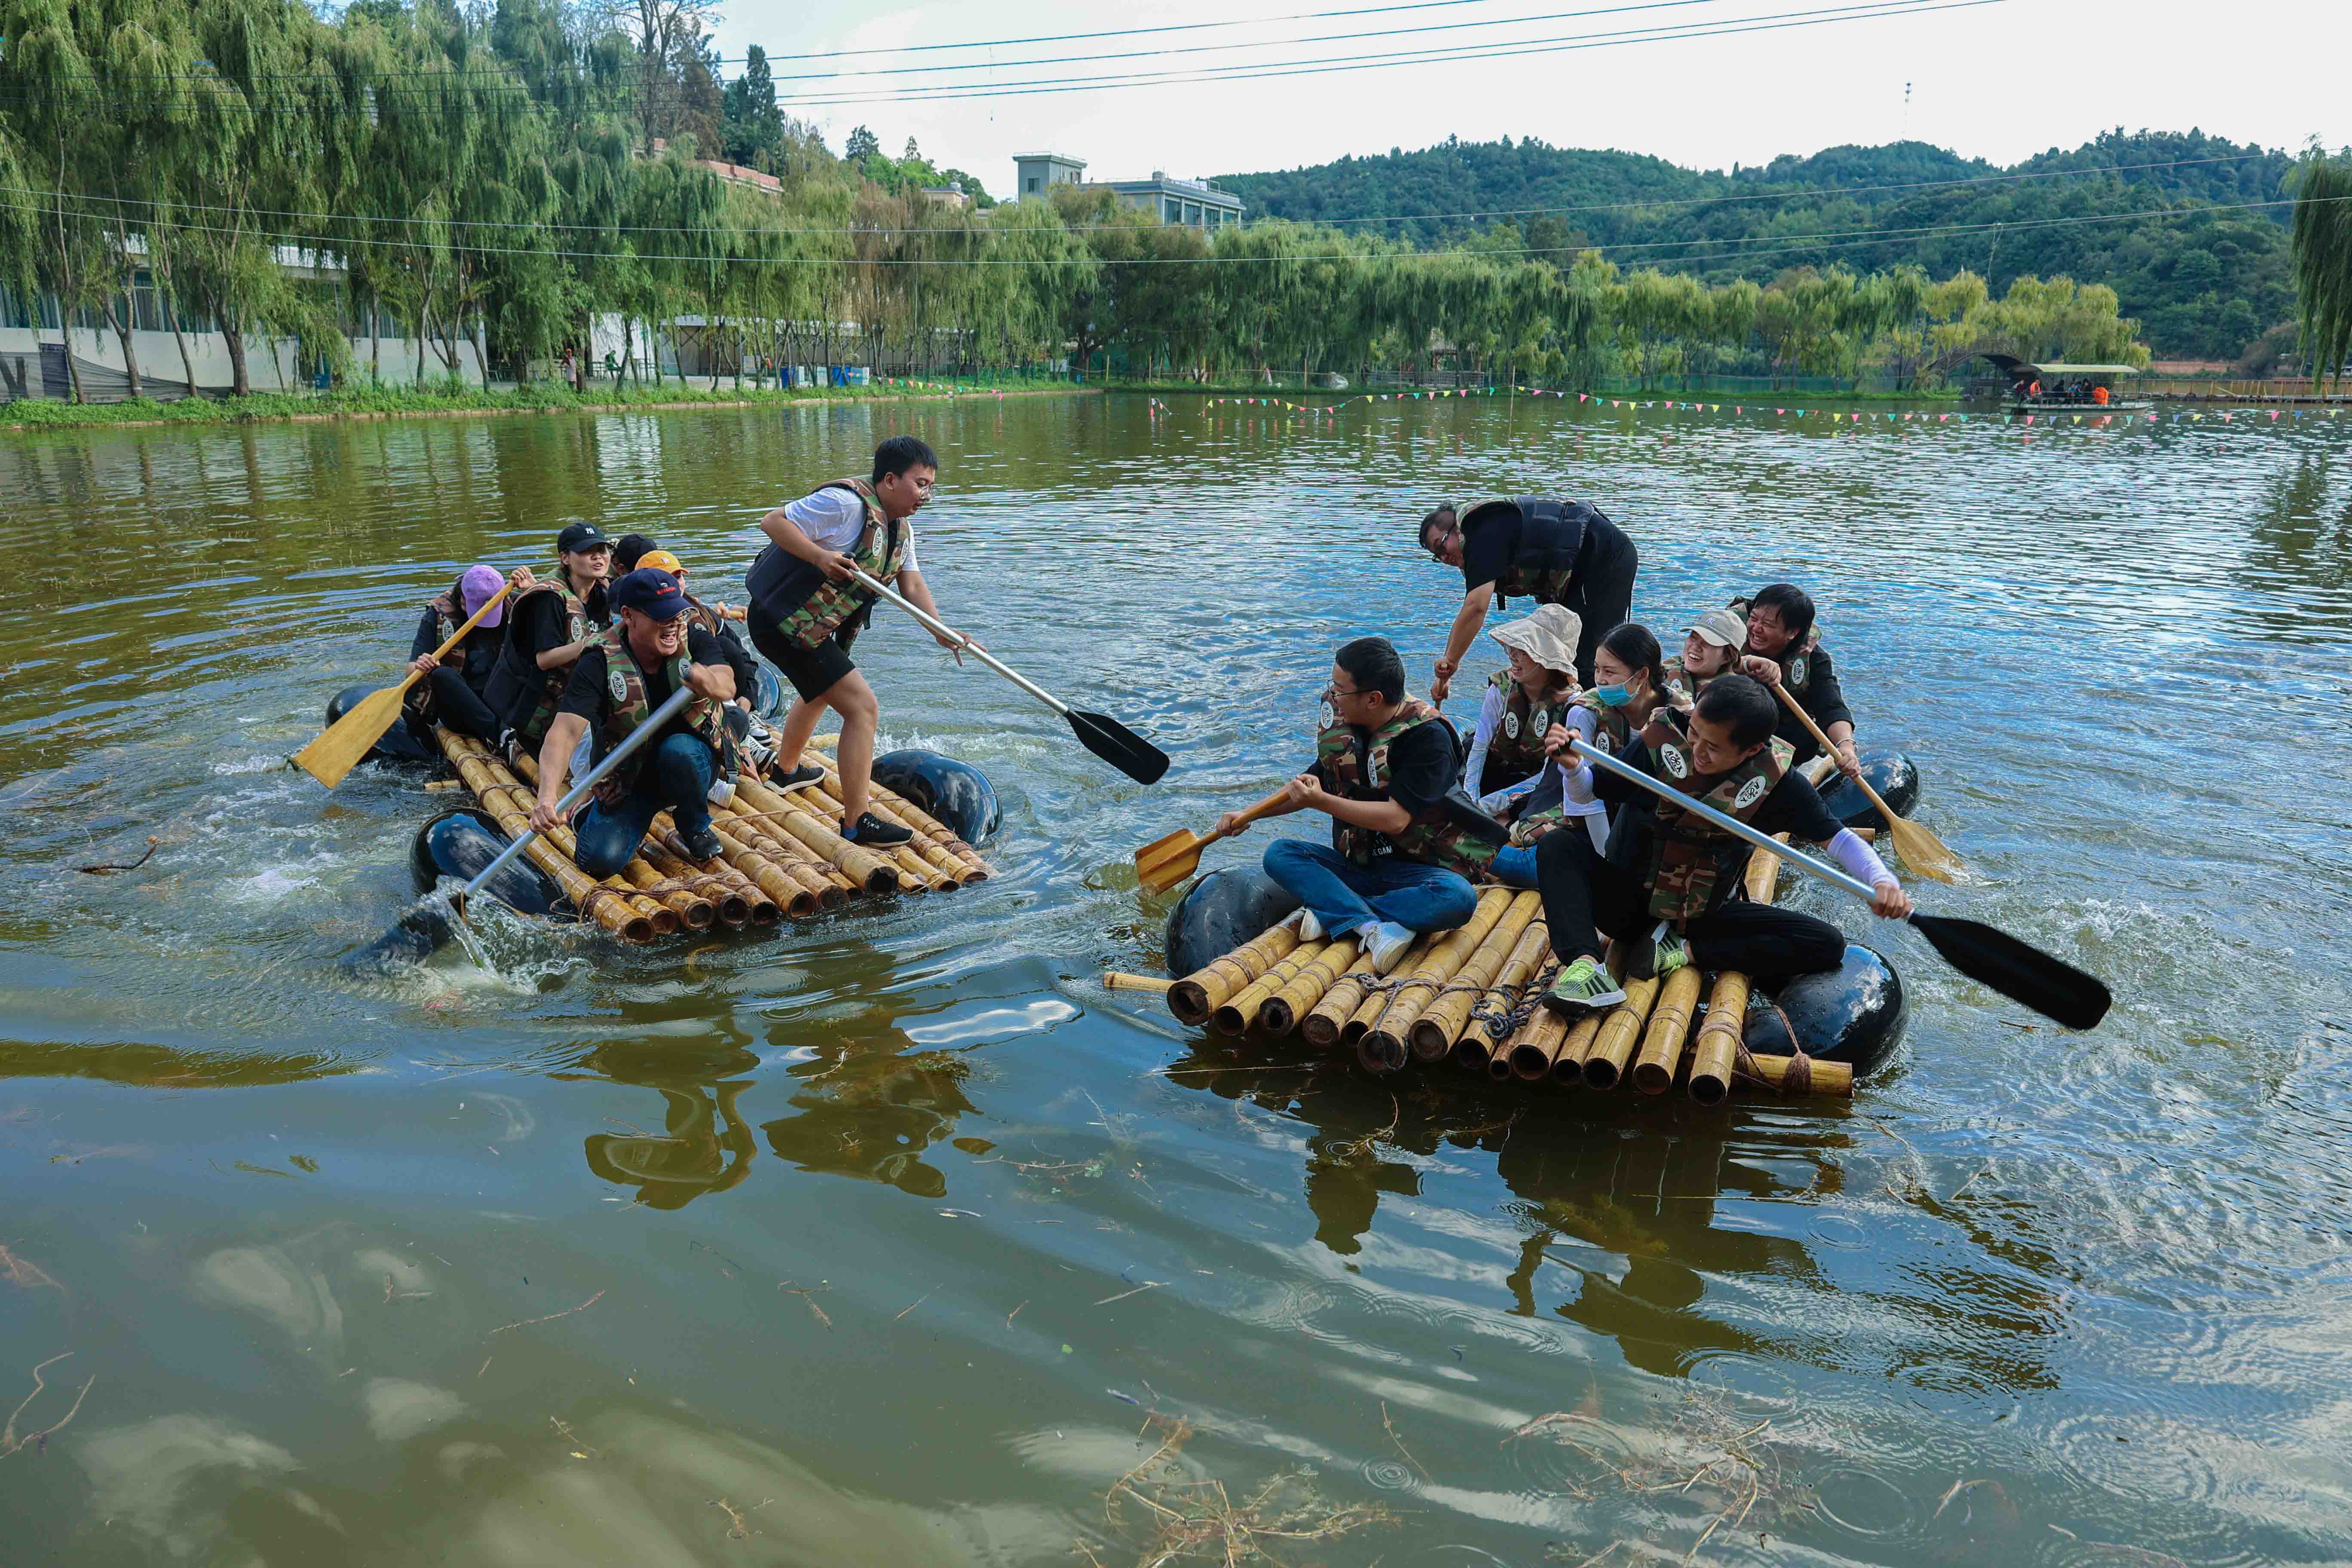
{"x":705,"y":1145}
{"x":2300,"y":545}
{"x":1623,"y":1195}
{"x":167,"y":1066}
{"x":870,"y":1113}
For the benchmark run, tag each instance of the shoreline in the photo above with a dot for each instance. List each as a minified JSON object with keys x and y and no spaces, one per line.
{"x":94,"y":416}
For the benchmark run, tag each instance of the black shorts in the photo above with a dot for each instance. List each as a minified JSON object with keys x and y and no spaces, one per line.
{"x":813,"y":671}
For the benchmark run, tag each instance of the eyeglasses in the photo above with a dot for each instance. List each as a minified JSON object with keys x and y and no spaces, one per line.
{"x":1334,"y":694}
{"x":1437,"y":551}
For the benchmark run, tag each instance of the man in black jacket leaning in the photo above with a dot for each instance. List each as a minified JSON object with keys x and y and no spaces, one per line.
{"x":1553,"y":552}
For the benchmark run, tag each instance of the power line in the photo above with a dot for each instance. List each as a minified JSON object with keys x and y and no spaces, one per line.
{"x":341,"y":245}
{"x":1793,"y":193}
{"x":1875,"y":10}
{"x":1135,"y":32}
{"x":1253,"y":44}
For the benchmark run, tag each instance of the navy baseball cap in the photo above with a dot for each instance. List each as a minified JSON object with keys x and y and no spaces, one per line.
{"x":581,"y":536}
{"x":649,"y":591}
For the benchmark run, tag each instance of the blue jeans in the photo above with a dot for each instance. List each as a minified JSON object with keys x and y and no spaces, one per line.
{"x":1344,"y":895}
{"x":675,"y":778}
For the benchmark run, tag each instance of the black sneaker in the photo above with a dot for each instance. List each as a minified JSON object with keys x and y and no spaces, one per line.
{"x":702,"y":844}
{"x":874,"y":833}
{"x":806,"y":774}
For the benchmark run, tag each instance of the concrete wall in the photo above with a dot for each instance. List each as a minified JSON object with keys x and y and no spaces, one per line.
{"x":272,"y":364}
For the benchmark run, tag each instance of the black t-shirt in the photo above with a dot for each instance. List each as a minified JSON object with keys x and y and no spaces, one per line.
{"x":1423,"y":765}
{"x":589,"y":695}
{"x":1488,"y":546}
{"x":541,"y":624}
{"x":479,"y":652}
{"x":1823,"y":699}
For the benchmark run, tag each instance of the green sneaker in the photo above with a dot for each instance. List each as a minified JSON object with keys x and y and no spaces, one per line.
{"x":1667,"y":954}
{"x":1584,"y":987}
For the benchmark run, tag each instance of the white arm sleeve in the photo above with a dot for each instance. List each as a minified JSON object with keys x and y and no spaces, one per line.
{"x":1575,"y":773}
{"x":1490,"y":714}
{"x":1857,"y":859}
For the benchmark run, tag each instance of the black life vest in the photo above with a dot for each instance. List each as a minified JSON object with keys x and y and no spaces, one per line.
{"x":806,"y":606}
{"x":1556,"y":544}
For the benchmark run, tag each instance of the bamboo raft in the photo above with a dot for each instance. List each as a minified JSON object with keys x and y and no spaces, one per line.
{"x":1470,"y":994}
{"x":782,"y":855}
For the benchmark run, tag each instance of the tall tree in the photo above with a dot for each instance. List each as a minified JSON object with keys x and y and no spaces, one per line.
{"x":751,"y":129}
{"x":2323,"y":263}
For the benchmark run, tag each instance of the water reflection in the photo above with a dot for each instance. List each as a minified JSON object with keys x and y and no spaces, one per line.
{"x":868,"y":1111}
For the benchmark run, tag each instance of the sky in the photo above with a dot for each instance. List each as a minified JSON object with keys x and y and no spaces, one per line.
{"x":2001,"y":80}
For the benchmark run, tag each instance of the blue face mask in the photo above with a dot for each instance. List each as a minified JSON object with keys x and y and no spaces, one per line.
{"x":1613,"y":696}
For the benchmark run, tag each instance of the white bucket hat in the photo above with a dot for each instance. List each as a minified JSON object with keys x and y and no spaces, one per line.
{"x":1548,"y":637}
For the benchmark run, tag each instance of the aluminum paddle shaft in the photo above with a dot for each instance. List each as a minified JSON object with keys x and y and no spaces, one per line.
{"x":1821,"y":869}
{"x":635,"y":738}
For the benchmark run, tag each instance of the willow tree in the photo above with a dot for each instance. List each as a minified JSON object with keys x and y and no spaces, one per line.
{"x":2322,"y":237}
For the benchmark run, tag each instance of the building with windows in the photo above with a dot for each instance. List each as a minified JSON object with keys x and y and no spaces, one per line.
{"x":1196,"y":203}
{"x":1036,"y":174}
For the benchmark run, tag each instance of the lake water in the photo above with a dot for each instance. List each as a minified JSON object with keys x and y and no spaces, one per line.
{"x":895,"y":1238}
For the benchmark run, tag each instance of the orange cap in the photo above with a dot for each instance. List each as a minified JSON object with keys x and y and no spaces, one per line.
{"x":660,"y":561}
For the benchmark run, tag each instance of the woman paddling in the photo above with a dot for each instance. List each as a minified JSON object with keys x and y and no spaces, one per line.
{"x":1520,"y":706}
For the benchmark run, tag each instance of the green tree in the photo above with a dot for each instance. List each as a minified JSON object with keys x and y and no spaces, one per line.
{"x":751,"y":129}
{"x":2323,"y":264}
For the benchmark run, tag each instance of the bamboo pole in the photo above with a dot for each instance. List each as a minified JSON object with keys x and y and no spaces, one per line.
{"x":1377,"y":992}
{"x":1242,"y":1009}
{"x":1718,"y":1039}
{"x":594,"y":902}
{"x":512,"y":808}
{"x":1386,"y":1041}
{"x":788,"y":855}
{"x":1117,"y":980}
{"x":1670,"y":1021}
{"x":1433,"y":1033}
{"x":1568,"y":1067}
{"x":1330,"y":1016}
{"x":860,"y":865}
{"x":739,"y":900}
{"x":908,"y":858}
{"x":1282,"y":1010}
{"x":1531,"y":1048}
{"x":1203,"y":991}
{"x":795,"y":899}
{"x":1832,"y":1080}
{"x":1521,"y":972}
{"x":1621,"y":1031}
{"x":934,"y":841}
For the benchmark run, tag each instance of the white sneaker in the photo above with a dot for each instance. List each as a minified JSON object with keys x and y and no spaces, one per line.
{"x":1309,"y":927}
{"x":722,"y":792}
{"x":1388,"y":943}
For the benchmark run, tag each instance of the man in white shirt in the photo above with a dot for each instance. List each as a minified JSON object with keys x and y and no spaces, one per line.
{"x":806,"y":608}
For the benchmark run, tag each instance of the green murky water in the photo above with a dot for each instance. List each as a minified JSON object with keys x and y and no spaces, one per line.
{"x":895,"y":1239}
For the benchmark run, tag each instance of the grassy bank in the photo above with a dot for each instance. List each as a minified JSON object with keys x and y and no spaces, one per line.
{"x":542,"y":397}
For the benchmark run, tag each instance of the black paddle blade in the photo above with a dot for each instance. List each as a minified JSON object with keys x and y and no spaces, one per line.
{"x":413,"y":939}
{"x":2056,"y":989}
{"x":1120,"y":746}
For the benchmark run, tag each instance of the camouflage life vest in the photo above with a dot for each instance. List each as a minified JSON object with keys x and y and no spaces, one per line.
{"x":698,"y":614}
{"x":1690,"y":857}
{"x":880,"y":549}
{"x":1356,"y":767}
{"x":1515,"y":751}
{"x":1612,"y":727}
{"x":1675,"y":677}
{"x":625,"y":683}
{"x":549,"y":683}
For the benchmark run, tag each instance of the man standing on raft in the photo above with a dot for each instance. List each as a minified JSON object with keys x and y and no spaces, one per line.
{"x":1405,"y":839}
{"x":1554,"y":552}
{"x":614,"y":687}
{"x":1665,"y":889}
{"x":806,"y":609}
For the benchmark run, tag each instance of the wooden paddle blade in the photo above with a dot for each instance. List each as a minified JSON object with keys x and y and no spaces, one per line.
{"x":1923,"y":852}
{"x":2050,"y":986}
{"x":1120,"y":746}
{"x":351,"y":737}
{"x":1164,"y":862}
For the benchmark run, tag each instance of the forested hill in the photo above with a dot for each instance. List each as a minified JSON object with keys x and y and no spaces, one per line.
{"x":2203,"y":286}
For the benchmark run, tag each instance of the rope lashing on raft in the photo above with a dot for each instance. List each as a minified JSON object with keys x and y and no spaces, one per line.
{"x":1502,"y":1026}
{"x":1799,"y":1077}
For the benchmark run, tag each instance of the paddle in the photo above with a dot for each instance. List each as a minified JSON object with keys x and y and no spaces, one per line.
{"x":349,"y":738}
{"x":1921,"y":850}
{"x":2050,"y":986}
{"x":1164,"y":862}
{"x":425,"y":925}
{"x":1106,"y":737}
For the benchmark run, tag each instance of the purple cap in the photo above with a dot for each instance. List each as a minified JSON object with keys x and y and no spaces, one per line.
{"x":477,"y":586}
